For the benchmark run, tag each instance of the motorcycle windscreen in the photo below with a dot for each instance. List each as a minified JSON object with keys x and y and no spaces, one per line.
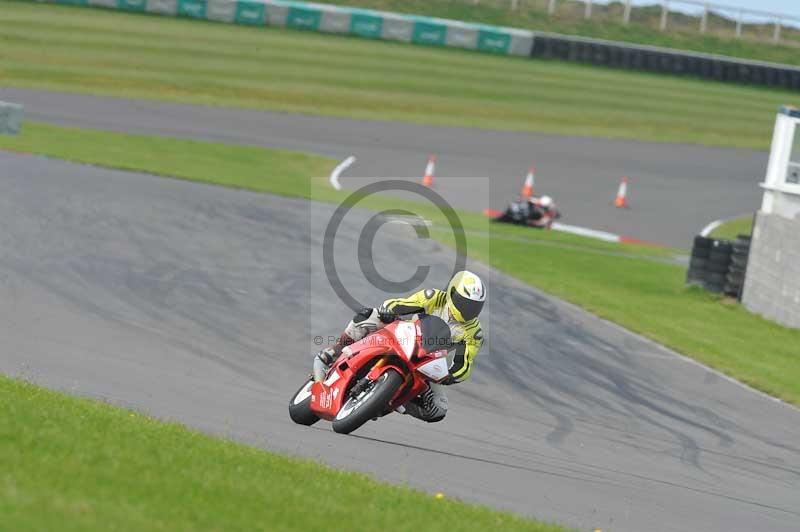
{"x":434,"y":332}
{"x":406,"y":337}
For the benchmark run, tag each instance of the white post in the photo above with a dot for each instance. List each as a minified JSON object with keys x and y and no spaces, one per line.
{"x":514,"y":4}
{"x":588,"y":12}
{"x":739,"y":24}
{"x":664,"y":14}
{"x":704,"y":19}
{"x":551,"y":7}
{"x":626,"y":16}
{"x":777,"y":35}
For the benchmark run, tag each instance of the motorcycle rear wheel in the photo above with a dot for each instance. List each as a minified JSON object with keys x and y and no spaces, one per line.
{"x":300,"y":406}
{"x":372,"y":403}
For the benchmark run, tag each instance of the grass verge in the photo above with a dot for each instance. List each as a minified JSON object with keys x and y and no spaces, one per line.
{"x":141,"y":56}
{"x":735,"y":227}
{"x":282,"y":172}
{"x":637,"y":287}
{"x":74,"y":464}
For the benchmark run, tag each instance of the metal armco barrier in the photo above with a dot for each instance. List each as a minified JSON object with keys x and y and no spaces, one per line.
{"x":452,"y":33}
{"x":664,"y":60}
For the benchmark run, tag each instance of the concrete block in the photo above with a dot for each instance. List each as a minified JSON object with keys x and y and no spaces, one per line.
{"x":162,"y":7}
{"x":252,"y":13}
{"x":277,"y":14}
{"x":366,"y":24}
{"x":10,"y":118}
{"x":132,"y":5}
{"x":459,"y":36}
{"x":221,"y":10}
{"x":521,"y":44}
{"x":397,"y":29}
{"x":335,"y":21}
{"x":192,"y":8}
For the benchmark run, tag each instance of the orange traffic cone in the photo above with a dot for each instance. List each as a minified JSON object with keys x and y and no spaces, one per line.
{"x":427,"y":179}
{"x":621,"y":202}
{"x":530,"y":181}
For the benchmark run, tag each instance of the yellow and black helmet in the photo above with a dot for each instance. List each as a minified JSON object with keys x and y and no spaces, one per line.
{"x":465,"y":296}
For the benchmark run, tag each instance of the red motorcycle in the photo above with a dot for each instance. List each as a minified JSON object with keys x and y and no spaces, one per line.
{"x":376,"y":375}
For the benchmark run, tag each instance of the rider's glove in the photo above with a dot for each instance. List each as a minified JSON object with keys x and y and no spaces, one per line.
{"x":447,"y":381}
{"x":386,"y":315}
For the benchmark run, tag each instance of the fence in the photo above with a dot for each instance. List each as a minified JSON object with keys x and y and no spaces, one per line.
{"x":696,"y":15}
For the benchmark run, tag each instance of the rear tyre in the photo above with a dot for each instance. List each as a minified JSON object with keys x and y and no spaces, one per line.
{"x":300,"y":406}
{"x":370,"y":403}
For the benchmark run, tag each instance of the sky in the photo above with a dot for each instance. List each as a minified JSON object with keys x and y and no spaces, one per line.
{"x":789,"y":7}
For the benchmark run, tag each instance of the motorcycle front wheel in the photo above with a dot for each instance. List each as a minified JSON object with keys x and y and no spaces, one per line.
{"x":300,"y":406}
{"x":370,"y":403}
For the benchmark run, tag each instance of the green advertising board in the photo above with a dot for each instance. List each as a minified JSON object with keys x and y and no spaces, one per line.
{"x":429,"y":33}
{"x":192,"y":8}
{"x":250,"y":13}
{"x":494,"y":41}
{"x":304,"y":18}
{"x":366,"y":25}
{"x":132,"y":5}
{"x":73,"y":2}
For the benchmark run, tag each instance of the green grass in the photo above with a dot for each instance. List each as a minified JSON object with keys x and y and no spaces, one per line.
{"x":128,"y":55}
{"x":73,"y":464}
{"x":733,"y":228}
{"x":282,"y":172}
{"x":636,"y":286}
{"x":606,"y":23}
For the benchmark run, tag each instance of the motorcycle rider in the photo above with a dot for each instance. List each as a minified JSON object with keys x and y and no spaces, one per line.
{"x":537,"y":212}
{"x":542,"y":212}
{"x":458,"y":305}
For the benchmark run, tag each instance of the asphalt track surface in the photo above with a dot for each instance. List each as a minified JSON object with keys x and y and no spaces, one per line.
{"x":675,"y":189}
{"x":197,"y":303}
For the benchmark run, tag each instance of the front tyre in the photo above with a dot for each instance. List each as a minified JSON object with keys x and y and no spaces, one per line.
{"x":300,"y":406}
{"x":370,"y":403}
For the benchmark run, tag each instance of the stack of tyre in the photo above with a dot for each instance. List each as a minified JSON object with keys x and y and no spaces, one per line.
{"x":719,"y":265}
{"x":709,"y":264}
{"x":734,"y":282}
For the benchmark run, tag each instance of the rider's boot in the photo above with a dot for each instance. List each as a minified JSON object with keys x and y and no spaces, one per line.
{"x":367,"y":320}
{"x":324,"y":359}
{"x":429,"y":406}
{"x":328,"y":355}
